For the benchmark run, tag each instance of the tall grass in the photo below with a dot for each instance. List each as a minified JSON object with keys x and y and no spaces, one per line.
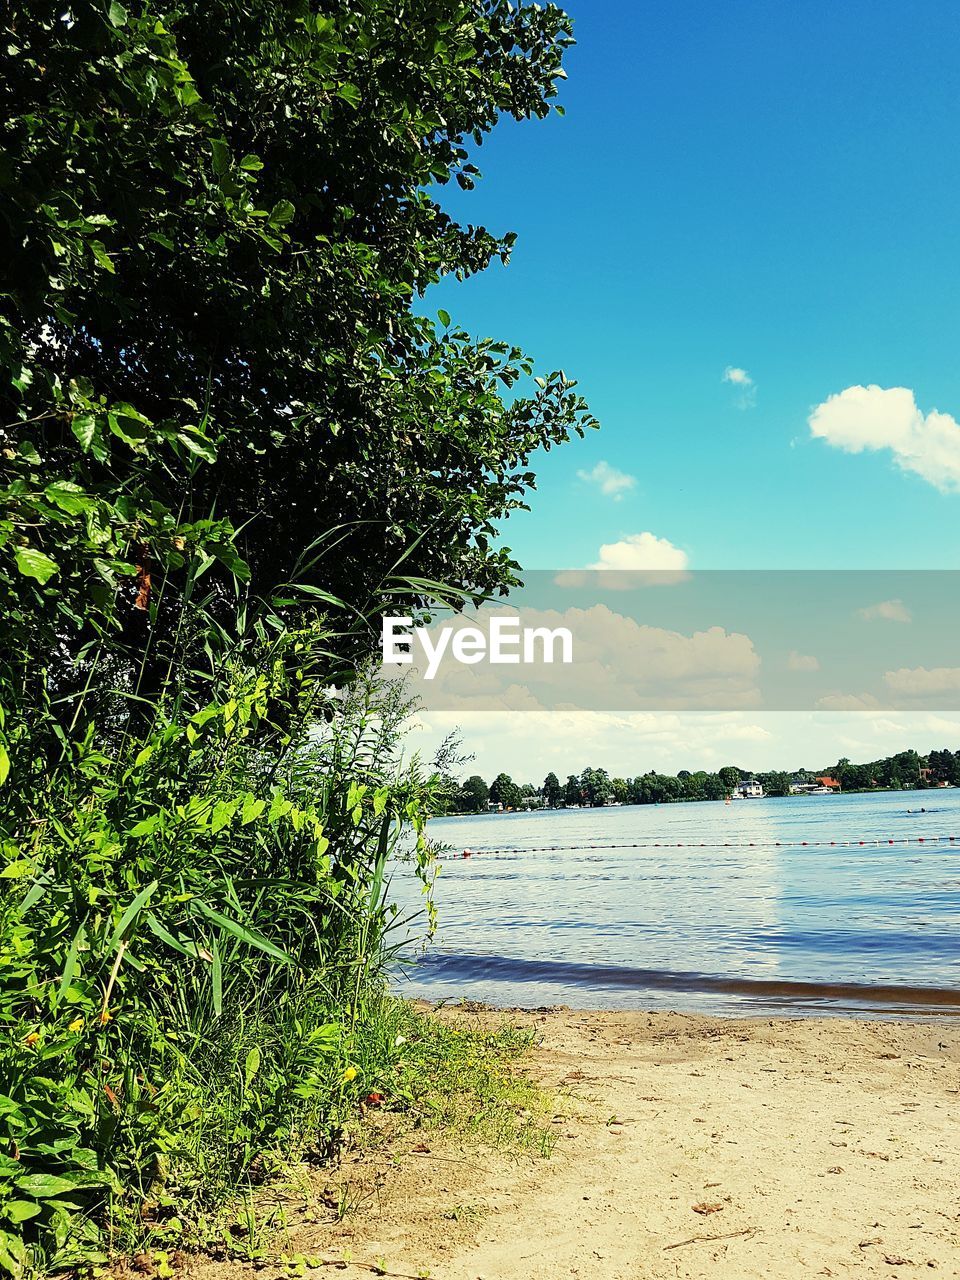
{"x":193,"y":930}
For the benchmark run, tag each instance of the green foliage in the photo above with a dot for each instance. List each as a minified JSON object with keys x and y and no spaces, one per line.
{"x":229,"y":439}
{"x":551,"y":791}
{"x":473,"y":795}
{"x":188,"y":946}
{"x":218,"y":221}
{"x":457,"y":1073}
{"x":504,"y":791}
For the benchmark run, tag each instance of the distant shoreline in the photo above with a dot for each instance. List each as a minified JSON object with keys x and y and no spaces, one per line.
{"x":638,"y":804}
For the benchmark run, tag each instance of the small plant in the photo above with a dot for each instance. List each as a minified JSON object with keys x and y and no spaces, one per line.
{"x":464,"y":1213}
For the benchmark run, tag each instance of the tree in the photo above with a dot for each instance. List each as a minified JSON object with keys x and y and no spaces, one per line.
{"x":218,"y":224}
{"x":228,"y":435}
{"x":552,"y":791}
{"x":944,"y":765}
{"x":473,"y":795}
{"x":595,"y":787}
{"x":906,"y":767}
{"x":656,"y":788}
{"x":693,"y":786}
{"x":572,"y":794}
{"x":503,"y":790}
{"x":730,"y":775}
{"x":776,"y":783}
{"x":853,"y":777}
{"x":713,"y":788}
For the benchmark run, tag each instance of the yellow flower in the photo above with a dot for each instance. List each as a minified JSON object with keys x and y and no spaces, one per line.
{"x":349,"y":1074}
{"x":76,"y":1025}
{"x":32,"y":1039}
{"x":105,"y":1016}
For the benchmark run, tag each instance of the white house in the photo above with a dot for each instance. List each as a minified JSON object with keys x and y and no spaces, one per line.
{"x":749,"y":789}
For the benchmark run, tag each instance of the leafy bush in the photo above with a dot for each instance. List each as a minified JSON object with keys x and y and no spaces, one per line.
{"x":191,"y":932}
{"x":228,"y":440}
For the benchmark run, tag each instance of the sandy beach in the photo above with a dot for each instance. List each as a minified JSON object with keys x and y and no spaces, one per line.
{"x":687,"y":1146}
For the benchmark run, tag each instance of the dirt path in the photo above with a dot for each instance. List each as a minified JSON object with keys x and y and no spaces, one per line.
{"x":810,"y":1148}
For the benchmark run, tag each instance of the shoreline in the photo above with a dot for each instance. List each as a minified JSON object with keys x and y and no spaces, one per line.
{"x":686,"y":1146}
{"x":787,"y":998}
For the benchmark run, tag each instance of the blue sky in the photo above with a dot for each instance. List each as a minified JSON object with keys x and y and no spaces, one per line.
{"x":761,"y":186}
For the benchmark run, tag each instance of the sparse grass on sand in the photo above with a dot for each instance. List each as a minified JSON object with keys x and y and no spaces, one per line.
{"x":428,"y":1075}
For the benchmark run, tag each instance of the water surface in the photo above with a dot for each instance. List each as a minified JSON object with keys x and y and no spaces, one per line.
{"x":739,"y":908}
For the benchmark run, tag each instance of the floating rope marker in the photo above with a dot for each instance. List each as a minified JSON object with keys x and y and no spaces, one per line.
{"x":875,"y":841}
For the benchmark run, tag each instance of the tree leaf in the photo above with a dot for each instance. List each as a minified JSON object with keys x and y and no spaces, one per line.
{"x":281,"y":213}
{"x":252,"y":810}
{"x":84,"y":428}
{"x":45,"y":1185}
{"x":34,"y":564}
{"x":198,"y":445}
{"x":21,"y":1210}
{"x":145,"y":827}
{"x":221,"y":156}
{"x":68,"y":497}
{"x":99,"y":251}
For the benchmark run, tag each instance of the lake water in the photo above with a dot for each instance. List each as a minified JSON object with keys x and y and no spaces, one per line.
{"x":703,"y":907}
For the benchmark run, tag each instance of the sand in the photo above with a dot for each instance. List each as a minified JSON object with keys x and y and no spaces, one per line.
{"x":688,"y":1147}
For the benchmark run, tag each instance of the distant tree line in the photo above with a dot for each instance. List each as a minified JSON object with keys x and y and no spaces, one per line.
{"x":907,"y":770}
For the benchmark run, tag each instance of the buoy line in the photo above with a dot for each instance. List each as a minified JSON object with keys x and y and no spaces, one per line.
{"x":874,"y":841}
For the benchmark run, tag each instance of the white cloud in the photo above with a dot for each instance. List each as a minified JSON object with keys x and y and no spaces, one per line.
{"x":528,"y":746}
{"x":873,"y":417}
{"x":618,"y":662}
{"x":741,"y":379}
{"x":644,"y":551}
{"x":924,"y":682}
{"x":611,"y":482}
{"x":847,"y":702}
{"x":887,"y":611}
{"x":801,"y":662}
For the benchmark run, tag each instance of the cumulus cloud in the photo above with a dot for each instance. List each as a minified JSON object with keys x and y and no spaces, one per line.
{"x":740,"y":379}
{"x":635,"y":561}
{"x":924,"y":682}
{"x":801,"y":661}
{"x":611,"y":482}
{"x":847,"y":702}
{"x":886,"y":611}
{"x":618,"y":663}
{"x":529,"y":745}
{"x":644,"y":551}
{"x":861,"y":418}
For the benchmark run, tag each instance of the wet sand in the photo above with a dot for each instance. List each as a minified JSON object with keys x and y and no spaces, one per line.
{"x":687,"y":1146}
